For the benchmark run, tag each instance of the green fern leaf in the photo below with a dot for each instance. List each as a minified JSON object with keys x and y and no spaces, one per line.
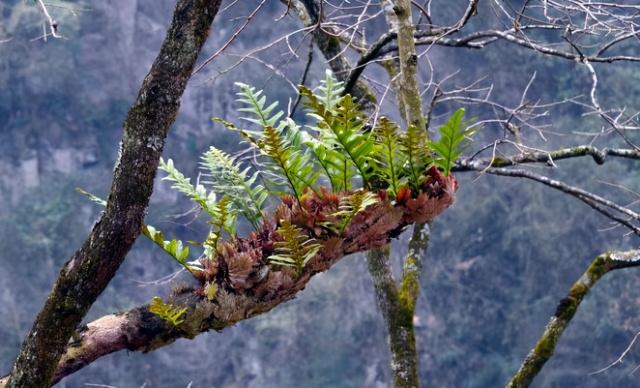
{"x":414,"y":146}
{"x":223,"y":221}
{"x":175,"y":248}
{"x":353,"y":204}
{"x":289,"y":166}
{"x":451,"y":143}
{"x":330,"y":90}
{"x":256,"y":105}
{"x":224,"y":175}
{"x":197,"y":193}
{"x":342,"y":128}
{"x":390,"y":160}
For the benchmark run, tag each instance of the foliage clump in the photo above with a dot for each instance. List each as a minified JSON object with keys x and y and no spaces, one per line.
{"x":334,"y":186}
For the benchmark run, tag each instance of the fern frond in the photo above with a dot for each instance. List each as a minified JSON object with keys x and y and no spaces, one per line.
{"x":414,"y":146}
{"x":342,"y":128}
{"x":353,"y":204}
{"x":390,"y":159}
{"x":224,"y":221}
{"x":256,"y":105}
{"x":175,"y":248}
{"x":451,"y":143}
{"x":168,"y":312}
{"x":224,"y":175}
{"x":197,"y":193}
{"x":290,"y":166}
{"x":330,"y":90}
{"x":334,"y":163}
{"x":296,"y":249}
{"x":93,"y":198}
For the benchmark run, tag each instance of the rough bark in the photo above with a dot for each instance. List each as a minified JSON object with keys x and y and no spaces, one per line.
{"x":398,"y":304}
{"x":248,"y":285}
{"x":87,"y":273}
{"x":567,"y":308}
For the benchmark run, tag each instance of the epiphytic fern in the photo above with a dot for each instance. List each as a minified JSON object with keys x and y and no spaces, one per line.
{"x":342,"y":128}
{"x":224,"y":175}
{"x":197,"y":193}
{"x":390,"y":158}
{"x":175,"y":248}
{"x":256,"y":105}
{"x":223,"y":221}
{"x":330,"y":90}
{"x":418,"y":155}
{"x":290,"y":166}
{"x":451,"y":142}
{"x":295,"y":249}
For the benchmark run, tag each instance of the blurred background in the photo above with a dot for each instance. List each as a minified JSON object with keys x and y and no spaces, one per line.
{"x":500,"y":259}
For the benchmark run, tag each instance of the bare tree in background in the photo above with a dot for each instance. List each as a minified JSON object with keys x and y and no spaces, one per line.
{"x":585,"y":32}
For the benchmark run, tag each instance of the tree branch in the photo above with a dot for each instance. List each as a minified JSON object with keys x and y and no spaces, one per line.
{"x":546,"y":345}
{"x":247,"y":285}
{"x":87,"y":273}
{"x":599,"y":156}
{"x":610,"y":209}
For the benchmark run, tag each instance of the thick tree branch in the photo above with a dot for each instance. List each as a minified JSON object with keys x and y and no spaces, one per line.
{"x":247,"y":285}
{"x":87,"y":273}
{"x":546,"y":345}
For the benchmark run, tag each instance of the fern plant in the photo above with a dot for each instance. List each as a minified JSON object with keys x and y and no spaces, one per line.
{"x":224,"y":221}
{"x":224,"y":175}
{"x":175,"y":248}
{"x":255,"y":103}
{"x":197,"y":194}
{"x":451,"y":142}
{"x":288,"y":164}
{"x":296,"y":248}
{"x":330,"y":90}
{"x":341,"y":128}
{"x":414,"y":146}
{"x":390,"y":158}
{"x":168,"y":312}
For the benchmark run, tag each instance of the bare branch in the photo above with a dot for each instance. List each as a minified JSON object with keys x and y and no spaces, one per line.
{"x":566,"y":310}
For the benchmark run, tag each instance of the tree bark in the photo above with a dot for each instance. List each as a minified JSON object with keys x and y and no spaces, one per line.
{"x":87,"y":273}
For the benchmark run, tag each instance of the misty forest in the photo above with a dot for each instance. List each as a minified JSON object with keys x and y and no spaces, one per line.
{"x":319,"y":193}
